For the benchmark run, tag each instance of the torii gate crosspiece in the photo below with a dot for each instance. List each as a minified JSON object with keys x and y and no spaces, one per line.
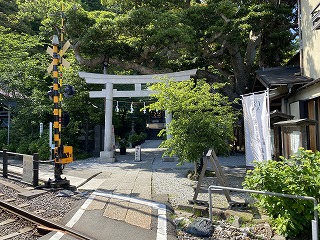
{"x":109,"y":93}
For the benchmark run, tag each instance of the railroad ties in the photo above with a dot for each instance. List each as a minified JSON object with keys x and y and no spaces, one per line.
{"x":21,"y":215}
{"x":12,"y":225}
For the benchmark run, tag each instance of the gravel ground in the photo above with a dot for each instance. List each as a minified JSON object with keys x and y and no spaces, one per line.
{"x":170,"y":179}
{"x":173,"y":181}
{"x":48,"y":205}
{"x":180,"y":189}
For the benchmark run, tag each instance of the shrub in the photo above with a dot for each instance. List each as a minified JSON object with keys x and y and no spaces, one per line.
{"x":123,"y":143}
{"x":134,"y":139}
{"x":142,"y":137}
{"x":23,"y":147}
{"x":38,"y":145}
{"x":43,"y":147}
{"x":298,"y":175}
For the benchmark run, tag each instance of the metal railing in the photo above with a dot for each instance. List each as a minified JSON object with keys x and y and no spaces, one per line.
{"x":35,"y":167}
{"x":314,"y":223}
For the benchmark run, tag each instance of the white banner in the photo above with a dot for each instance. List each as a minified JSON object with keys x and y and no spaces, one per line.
{"x":256,"y":127}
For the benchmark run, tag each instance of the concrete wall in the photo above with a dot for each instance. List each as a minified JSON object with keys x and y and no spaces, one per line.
{"x":295,"y":109}
{"x":310,"y":41}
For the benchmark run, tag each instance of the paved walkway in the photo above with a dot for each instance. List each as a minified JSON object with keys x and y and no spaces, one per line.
{"x":122,"y":192}
{"x":125,"y":181}
{"x":122,"y":196}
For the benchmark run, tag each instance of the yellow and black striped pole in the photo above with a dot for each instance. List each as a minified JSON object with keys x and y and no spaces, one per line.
{"x":56,"y":109}
{"x":61,"y":154}
{"x":57,"y":100}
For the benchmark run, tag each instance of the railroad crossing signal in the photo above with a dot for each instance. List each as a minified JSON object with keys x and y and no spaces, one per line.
{"x":69,"y":91}
{"x":67,"y":155}
{"x":63,"y":62}
{"x":62,"y":154}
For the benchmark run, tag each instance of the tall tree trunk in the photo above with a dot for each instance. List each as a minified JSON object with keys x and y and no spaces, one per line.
{"x":242,"y":66}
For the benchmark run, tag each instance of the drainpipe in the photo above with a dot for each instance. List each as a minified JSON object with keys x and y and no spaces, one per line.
{"x":300,"y":37}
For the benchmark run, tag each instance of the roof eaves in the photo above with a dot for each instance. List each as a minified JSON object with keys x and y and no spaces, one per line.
{"x":281,"y":76}
{"x":309,"y":84}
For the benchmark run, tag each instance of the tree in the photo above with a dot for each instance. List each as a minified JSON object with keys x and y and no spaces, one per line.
{"x":25,"y":82}
{"x":22,"y":73}
{"x":202,"y":118}
{"x":225,"y":39}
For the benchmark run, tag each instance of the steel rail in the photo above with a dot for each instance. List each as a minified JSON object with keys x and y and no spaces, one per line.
{"x":42,"y":221}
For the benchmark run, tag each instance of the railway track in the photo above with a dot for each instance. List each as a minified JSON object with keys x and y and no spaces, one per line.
{"x":14,"y":226}
{"x":32,"y":218}
{"x":32,"y":225}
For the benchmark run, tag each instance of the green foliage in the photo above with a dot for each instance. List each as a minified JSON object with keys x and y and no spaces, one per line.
{"x":3,"y":137}
{"x":136,"y":139}
{"x":126,"y":5}
{"x":123,"y":143}
{"x":169,"y":34}
{"x":299,"y":175}
{"x":26,"y":144}
{"x":202,"y":118}
{"x":142,"y":136}
{"x":92,"y":4}
{"x":19,"y":62}
{"x":153,"y":35}
{"x":40,"y":146}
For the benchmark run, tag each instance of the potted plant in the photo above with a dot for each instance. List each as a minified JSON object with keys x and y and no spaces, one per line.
{"x":134,"y":139}
{"x":123,"y":144}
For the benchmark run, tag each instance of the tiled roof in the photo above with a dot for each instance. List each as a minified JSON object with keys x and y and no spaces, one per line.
{"x":281,"y":76}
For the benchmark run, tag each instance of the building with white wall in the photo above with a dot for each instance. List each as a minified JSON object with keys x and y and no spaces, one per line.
{"x":295,"y":90}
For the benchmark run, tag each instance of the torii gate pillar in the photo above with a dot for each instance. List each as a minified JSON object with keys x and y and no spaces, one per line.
{"x":109,"y":93}
{"x":108,"y":150}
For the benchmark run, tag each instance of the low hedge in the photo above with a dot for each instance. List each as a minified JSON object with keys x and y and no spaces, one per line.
{"x":298,"y":175}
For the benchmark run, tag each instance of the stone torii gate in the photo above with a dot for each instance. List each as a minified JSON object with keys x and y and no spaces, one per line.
{"x":109,"y":93}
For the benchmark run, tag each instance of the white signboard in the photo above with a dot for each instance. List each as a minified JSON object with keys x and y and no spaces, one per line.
{"x":41,"y":129}
{"x":137,"y":153}
{"x":257,"y":127}
{"x":295,"y":142}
